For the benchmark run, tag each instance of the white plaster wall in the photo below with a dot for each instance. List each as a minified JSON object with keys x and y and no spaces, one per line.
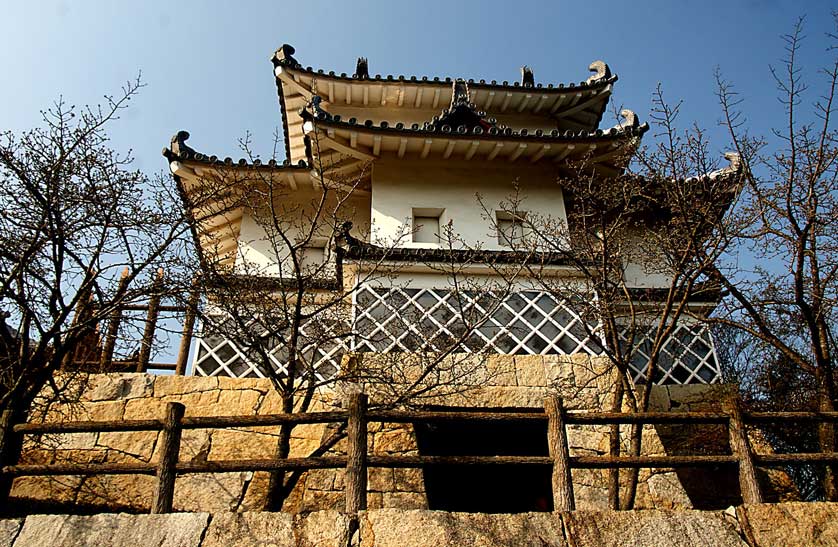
{"x":257,"y":252}
{"x":644,"y":266}
{"x":399,"y":187}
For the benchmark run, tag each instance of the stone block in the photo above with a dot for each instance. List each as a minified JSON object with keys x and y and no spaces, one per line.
{"x":226,"y":383}
{"x":321,"y":479}
{"x":508,"y":397}
{"x":400,"y":528}
{"x":137,"y":444}
{"x":117,"y":492}
{"x":256,"y":491}
{"x":236,"y":402}
{"x":145,"y":409}
{"x":500,"y":370}
{"x":110,"y":387}
{"x":321,"y":529}
{"x":409,"y":480}
{"x":103,"y":410}
{"x":791,"y":524}
{"x":74,"y":441}
{"x":199,"y":403}
{"x":58,"y":490}
{"x":380,"y":479}
{"x":666,"y":491}
{"x":179,"y":385}
{"x":699,"y":397}
{"x":396,"y":441}
{"x":108,"y":530}
{"x":230,"y":444}
{"x":529,"y":370}
{"x":651,"y":529}
{"x":250,"y":529}
{"x":302,"y":448}
{"x":211,"y":492}
{"x":317,"y":500}
{"x":8,"y":531}
{"x":405,"y":500}
{"x":195,"y":444}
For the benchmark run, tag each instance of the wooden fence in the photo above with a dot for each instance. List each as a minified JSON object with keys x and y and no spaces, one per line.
{"x":100,"y":354}
{"x":357,"y":460}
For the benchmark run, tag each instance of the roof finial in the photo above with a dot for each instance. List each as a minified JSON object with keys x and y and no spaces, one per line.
{"x":285,"y":56}
{"x":460,"y":92}
{"x":179,"y":146}
{"x":734,"y":159}
{"x":362,"y":70}
{"x":527,"y":77}
{"x":631,"y":119}
{"x":600,"y":70}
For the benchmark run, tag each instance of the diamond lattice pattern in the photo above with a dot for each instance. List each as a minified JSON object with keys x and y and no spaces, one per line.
{"x":412,"y":319}
{"x":219,"y":355}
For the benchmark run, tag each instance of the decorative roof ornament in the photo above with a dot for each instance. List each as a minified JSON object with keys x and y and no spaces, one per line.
{"x":600,"y":70}
{"x":362,"y":70}
{"x":462,"y":116}
{"x":734,"y":166}
{"x":631,"y":120}
{"x":313,"y":110}
{"x":460,"y":93}
{"x":284,"y":56}
{"x":179,"y":147}
{"x":527,"y":77}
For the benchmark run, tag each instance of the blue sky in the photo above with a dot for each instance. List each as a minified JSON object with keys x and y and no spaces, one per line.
{"x":207,"y":70}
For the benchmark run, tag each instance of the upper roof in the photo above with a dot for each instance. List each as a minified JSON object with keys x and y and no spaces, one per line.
{"x":573,"y":106}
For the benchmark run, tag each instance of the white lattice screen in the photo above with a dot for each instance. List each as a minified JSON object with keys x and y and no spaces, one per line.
{"x":411,"y":319}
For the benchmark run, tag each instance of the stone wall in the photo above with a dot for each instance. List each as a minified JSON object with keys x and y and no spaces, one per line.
{"x":505,"y":382}
{"x":766,"y":525}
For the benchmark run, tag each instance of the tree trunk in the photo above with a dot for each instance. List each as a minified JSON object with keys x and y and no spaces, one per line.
{"x":11,"y":445}
{"x":277,"y":491}
{"x":627,"y":501}
{"x":614,"y":449}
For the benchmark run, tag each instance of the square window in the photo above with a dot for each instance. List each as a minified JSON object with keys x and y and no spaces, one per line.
{"x":311,"y":258}
{"x":426,"y":225}
{"x":511,"y":229}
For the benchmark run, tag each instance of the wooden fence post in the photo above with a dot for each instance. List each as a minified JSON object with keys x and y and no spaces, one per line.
{"x":356,"y":456}
{"x":560,"y":452}
{"x":10,"y":445}
{"x":113,"y":327}
{"x":188,"y":329}
{"x":169,"y":452}
{"x":150,"y":322}
{"x":741,"y":448}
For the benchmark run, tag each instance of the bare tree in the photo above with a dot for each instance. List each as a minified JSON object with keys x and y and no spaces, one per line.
{"x":782,"y":275}
{"x":76,"y":218}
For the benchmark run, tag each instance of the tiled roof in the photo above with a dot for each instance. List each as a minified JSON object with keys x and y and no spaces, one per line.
{"x":437,"y":126}
{"x":601,"y":76}
{"x":180,"y":151}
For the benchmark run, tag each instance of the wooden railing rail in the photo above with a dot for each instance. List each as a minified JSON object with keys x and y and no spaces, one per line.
{"x":358,"y":460}
{"x":103,"y":351}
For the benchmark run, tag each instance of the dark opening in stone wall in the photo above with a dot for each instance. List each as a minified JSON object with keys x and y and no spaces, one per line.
{"x":485,"y":488}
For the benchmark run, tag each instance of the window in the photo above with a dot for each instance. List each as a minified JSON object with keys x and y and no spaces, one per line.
{"x":511,"y":228}
{"x":426,"y":225}
{"x":312,"y":257}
